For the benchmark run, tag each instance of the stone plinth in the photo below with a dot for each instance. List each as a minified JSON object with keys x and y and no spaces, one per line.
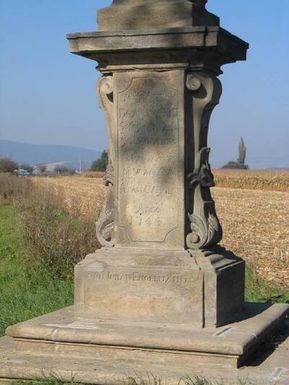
{"x":164,"y":287}
{"x":161,"y":295}
{"x":97,"y":352}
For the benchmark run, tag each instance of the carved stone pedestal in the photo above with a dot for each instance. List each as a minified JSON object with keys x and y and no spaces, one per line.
{"x":161,"y":296}
{"x":173,"y":287}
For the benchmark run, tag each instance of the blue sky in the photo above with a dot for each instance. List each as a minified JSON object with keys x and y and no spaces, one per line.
{"x":47,"y":95}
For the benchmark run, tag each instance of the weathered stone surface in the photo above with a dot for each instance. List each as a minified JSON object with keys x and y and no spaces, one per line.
{"x":61,"y":343}
{"x":199,"y":47}
{"x":150,"y":154}
{"x":147,"y":14}
{"x":100,"y":370}
{"x":174,"y":287}
{"x":154,"y":292}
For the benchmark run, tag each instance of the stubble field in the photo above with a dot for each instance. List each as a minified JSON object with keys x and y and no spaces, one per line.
{"x":253,"y":207}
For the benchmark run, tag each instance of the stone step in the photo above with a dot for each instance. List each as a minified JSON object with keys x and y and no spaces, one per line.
{"x":62,"y":334}
{"x":107,"y":369}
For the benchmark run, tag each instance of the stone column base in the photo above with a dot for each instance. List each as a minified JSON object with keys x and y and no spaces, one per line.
{"x":138,"y":312}
{"x":193,"y":288}
{"x":72,"y":348}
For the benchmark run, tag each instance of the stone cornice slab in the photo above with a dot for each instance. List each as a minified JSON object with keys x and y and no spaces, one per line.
{"x":94,"y":45}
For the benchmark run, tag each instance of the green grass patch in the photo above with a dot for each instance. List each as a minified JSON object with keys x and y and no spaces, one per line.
{"x":27,"y":288}
{"x":261,"y":291}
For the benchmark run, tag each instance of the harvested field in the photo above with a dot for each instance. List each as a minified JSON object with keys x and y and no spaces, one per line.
{"x":255,"y":225}
{"x":269,"y":180}
{"x":87,"y":193}
{"x":255,"y":222}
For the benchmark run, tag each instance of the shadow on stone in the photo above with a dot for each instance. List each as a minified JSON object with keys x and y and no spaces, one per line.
{"x":268,"y":347}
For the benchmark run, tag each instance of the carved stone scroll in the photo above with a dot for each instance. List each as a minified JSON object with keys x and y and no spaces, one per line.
{"x":105,"y":223}
{"x":205,"y":227}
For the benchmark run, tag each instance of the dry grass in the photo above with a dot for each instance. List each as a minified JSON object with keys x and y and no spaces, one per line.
{"x":56,"y":238}
{"x":89,"y":192}
{"x":12,"y":186}
{"x":92,"y":174}
{"x":255,"y":221}
{"x":269,"y":180}
{"x":56,"y":230}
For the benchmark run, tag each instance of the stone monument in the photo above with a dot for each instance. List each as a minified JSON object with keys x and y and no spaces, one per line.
{"x":161,"y":289}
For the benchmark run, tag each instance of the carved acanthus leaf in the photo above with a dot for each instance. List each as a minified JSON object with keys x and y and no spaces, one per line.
{"x":205,"y":229}
{"x":105,"y":223}
{"x":202,"y":176}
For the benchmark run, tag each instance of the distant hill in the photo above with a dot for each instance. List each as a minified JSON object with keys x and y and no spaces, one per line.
{"x":41,"y":153}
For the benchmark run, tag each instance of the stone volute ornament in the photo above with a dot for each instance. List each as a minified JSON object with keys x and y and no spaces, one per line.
{"x":105,"y":223}
{"x":161,"y":295}
{"x":206,"y":230}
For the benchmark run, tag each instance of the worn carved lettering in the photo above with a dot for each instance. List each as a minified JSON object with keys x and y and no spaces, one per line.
{"x":148,"y":140}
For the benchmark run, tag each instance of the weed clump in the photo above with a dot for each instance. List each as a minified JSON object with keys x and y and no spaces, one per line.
{"x":57,"y":237}
{"x":12,"y":187}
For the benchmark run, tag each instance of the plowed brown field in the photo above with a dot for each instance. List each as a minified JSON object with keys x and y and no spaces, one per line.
{"x":255,"y":219}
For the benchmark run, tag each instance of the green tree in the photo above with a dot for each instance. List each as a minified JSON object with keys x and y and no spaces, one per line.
{"x":101,"y":163}
{"x":7,"y":165}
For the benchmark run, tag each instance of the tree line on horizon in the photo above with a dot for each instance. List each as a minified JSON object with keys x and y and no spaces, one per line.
{"x":8,"y":165}
{"x":100,"y":164}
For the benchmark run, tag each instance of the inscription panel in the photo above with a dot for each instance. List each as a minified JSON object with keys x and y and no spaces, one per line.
{"x":148,"y":156}
{"x":143,"y":294}
{"x":136,"y":276}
